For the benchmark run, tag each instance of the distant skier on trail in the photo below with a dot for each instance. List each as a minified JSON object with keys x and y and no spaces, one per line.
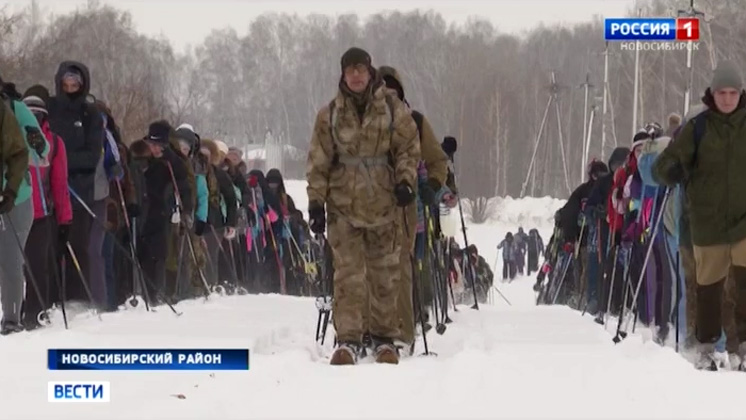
{"x":508,"y":246}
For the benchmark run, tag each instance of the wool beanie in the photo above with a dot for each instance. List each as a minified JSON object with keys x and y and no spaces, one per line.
{"x":38,"y":91}
{"x":36,"y":105}
{"x":726,"y":75}
{"x":355,"y":56}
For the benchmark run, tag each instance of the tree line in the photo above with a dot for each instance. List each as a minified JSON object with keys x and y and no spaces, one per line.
{"x":488,"y":89}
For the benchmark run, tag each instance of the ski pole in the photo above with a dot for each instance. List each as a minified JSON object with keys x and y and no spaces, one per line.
{"x":133,"y":251}
{"x":62,"y":287}
{"x":623,"y":333}
{"x":82,"y":277}
{"x":121,"y":247}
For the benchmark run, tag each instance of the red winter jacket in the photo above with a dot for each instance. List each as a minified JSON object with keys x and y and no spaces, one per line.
{"x":616,"y":206}
{"x":54,"y":181}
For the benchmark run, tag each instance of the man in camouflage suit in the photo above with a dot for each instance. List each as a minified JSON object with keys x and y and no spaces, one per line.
{"x":361,"y":171}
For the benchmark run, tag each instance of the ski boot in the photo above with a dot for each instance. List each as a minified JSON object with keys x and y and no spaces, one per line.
{"x":386,"y":352}
{"x":8,"y":327}
{"x":708,"y":358}
{"x":345,"y":354}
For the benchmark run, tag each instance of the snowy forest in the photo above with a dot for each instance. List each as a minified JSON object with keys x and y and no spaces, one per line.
{"x":488,"y":89}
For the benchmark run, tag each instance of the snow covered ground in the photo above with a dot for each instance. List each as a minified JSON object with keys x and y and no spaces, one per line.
{"x":518,"y":361}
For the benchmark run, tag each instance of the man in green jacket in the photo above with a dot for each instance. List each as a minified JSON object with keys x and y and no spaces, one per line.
{"x":16,"y":211}
{"x":711,"y":167}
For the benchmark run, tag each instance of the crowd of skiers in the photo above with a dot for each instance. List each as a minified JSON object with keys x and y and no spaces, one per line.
{"x":657,"y":236}
{"x":515,"y":249}
{"x":86,"y":218}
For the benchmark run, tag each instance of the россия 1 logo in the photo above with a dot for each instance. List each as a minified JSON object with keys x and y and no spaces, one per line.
{"x":651,"y":29}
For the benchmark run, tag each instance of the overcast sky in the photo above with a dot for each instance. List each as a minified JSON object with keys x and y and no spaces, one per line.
{"x":187,"y":22}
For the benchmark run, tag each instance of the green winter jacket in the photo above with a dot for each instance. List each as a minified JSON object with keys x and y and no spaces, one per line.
{"x":13,"y":154}
{"x":25,"y":119}
{"x":716,"y":178}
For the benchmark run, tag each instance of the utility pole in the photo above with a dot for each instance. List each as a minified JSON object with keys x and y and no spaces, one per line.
{"x":606,"y":98}
{"x":691,"y":12}
{"x":637,"y":82}
{"x":586,"y":127}
{"x":554,"y":89}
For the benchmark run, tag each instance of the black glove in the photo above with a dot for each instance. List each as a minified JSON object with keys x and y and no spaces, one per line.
{"x":316,"y":217}
{"x":429,"y":191}
{"x":676,"y":173}
{"x":36,"y":140}
{"x":133,"y":210}
{"x":199,"y":227}
{"x":8,"y":201}
{"x":404,"y":194}
{"x":63,"y":233}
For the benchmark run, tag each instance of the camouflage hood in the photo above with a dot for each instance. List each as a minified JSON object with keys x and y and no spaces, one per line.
{"x":393,"y":80}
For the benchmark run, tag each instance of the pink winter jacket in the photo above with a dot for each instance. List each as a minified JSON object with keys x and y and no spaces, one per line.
{"x":54,"y":180}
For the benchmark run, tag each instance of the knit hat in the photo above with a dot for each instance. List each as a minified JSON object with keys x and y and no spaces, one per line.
{"x":36,"y":105}
{"x":39,"y":91}
{"x":674,"y":119}
{"x":73,"y":74}
{"x":355,"y":56}
{"x":640,"y":138}
{"x":618,"y":157}
{"x":726,"y":75}
{"x":158,"y":132}
{"x":233,"y":150}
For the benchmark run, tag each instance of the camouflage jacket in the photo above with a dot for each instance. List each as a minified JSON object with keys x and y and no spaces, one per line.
{"x":353,"y":167}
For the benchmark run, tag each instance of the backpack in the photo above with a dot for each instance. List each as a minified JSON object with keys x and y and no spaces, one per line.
{"x":700,"y":124}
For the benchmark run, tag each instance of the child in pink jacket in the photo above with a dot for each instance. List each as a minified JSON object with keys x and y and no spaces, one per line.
{"x":52,"y":217}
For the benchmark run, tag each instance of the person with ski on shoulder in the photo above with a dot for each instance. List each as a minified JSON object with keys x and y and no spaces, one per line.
{"x":362,"y":168}
{"x":707,"y":158}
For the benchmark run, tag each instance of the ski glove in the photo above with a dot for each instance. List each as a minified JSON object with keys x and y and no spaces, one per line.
{"x":7,"y":201}
{"x":675,"y":173}
{"x":404,"y":194}
{"x":63,"y":233}
{"x":316,"y":217}
{"x":133,"y":210}
{"x":199,"y":227}
{"x":427,"y":194}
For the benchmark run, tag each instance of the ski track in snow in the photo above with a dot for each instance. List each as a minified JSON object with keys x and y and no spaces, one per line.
{"x":518,"y":361}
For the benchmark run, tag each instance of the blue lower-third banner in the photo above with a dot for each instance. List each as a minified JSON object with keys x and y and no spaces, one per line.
{"x":148,"y":359}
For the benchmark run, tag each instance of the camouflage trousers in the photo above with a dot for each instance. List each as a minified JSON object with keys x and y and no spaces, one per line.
{"x":185,"y":283}
{"x":366,"y":275}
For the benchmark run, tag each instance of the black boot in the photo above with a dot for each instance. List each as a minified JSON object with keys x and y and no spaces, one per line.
{"x":709,"y":323}
{"x":9,"y":327}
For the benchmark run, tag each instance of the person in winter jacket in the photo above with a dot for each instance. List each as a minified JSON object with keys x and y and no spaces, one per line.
{"x":74,"y":118}
{"x":16,"y":209}
{"x":535,"y":246}
{"x":222,"y":214}
{"x":52,"y":218}
{"x":508,"y":246}
{"x":290,"y":234}
{"x":362,"y":167}
{"x":190,"y":282}
{"x":262,"y":260}
{"x":485,"y":277}
{"x":521,"y":241}
{"x":713,"y":174}
{"x":431,"y":192}
{"x":180,"y":185}
{"x":575,"y":230}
